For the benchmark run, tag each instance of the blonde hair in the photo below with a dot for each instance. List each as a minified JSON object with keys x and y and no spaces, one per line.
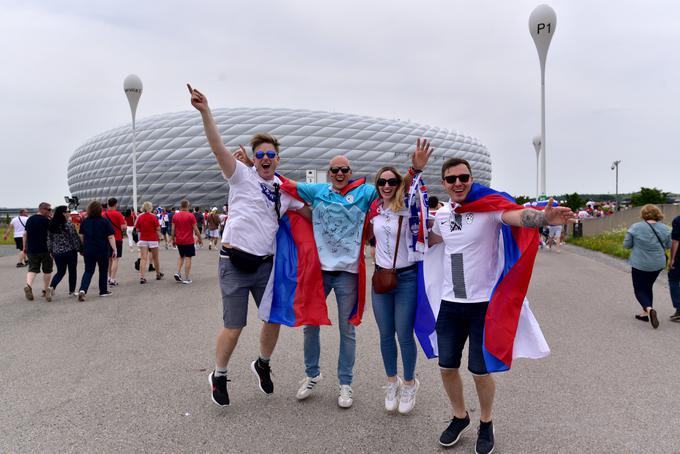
{"x":397,"y":202}
{"x":651,"y":212}
{"x":147,"y":207}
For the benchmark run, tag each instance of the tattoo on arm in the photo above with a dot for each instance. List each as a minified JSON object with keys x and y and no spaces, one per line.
{"x":533,"y":218}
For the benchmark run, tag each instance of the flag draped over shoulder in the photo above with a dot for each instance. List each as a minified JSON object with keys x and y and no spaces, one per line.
{"x":295,"y":293}
{"x":510,"y":330}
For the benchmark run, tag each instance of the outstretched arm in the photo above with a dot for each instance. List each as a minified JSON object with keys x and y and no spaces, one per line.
{"x":224,"y":157}
{"x":532,"y":218}
{"x":418,"y":160}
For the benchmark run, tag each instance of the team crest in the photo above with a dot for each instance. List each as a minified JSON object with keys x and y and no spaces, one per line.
{"x":349,"y":198}
{"x":469,"y":217}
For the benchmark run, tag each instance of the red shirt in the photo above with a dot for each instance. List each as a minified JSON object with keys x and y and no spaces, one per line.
{"x":147,"y":224}
{"x":184,"y":223}
{"x":130,"y":220}
{"x":117,"y":220}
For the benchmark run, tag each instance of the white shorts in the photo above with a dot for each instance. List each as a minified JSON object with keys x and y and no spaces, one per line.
{"x":214,"y":233}
{"x":149,"y":244}
{"x":555,"y":230}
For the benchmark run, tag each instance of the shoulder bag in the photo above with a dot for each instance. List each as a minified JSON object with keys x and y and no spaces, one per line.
{"x":385,"y":279}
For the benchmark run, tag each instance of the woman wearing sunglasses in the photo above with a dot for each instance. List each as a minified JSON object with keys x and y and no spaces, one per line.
{"x":395,"y":310}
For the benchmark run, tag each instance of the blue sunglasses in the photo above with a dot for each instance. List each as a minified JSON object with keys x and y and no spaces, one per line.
{"x":270,"y":154}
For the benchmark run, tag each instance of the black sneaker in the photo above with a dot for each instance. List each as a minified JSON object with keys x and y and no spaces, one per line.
{"x":484,"y":438}
{"x":676,"y":317}
{"x":151,"y":268}
{"x":219,"y":389}
{"x":653,"y":319}
{"x":456,"y":428}
{"x":263,"y":372}
{"x":137,"y":264}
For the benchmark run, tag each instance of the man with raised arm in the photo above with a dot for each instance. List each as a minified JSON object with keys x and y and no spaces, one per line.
{"x":246,"y":257}
{"x":472,"y":305}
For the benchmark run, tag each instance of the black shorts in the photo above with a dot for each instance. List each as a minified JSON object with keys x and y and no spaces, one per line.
{"x":186,"y":250}
{"x":19,"y":241}
{"x":456,"y":323}
{"x":119,"y":249}
{"x":42,"y":260}
{"x":164,"y":230}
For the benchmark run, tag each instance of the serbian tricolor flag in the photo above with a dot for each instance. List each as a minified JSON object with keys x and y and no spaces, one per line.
{"x":511,"y":330}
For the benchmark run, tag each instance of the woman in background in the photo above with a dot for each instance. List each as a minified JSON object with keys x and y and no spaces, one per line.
{"x":63,"y":243}
{"x":96,"y":233}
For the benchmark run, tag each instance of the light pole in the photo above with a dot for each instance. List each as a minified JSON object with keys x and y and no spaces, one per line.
{"x":615,"y":166}
{"x":542,"y":25}
{"x":133,"y":90}
{"x":537,"y":146}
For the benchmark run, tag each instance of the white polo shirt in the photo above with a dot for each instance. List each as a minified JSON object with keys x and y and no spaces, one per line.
{"x":471,"y":253}
{"x":19,"y":224}
{"x":252,"y":223}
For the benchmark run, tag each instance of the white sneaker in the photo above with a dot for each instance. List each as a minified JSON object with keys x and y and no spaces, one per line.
{"x":407,"y":397}
{"x":187,"y":281}
{"x":307,"y":386}
{"x":392,"y":394}
{"x":345,"y":397}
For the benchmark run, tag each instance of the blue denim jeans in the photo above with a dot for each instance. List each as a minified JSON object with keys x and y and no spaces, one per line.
{"x":345,"y":286}
{"x":674,"y":286}
{"x":67,"y":260}
{"x":395,"y":311}
{"x":92,"y":261}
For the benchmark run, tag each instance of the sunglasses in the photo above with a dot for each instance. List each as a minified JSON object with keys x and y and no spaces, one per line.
{"x":270,"y":154}
{"x":335,"y":170}
{"x":451,"y":179}
{"x":389,"y":182}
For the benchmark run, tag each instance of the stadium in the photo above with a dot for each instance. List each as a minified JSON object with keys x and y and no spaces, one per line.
{"x":174,"y":160}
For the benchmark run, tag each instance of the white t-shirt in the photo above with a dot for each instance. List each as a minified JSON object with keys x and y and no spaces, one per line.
{"x":471,"y":253}
{"x":252,"y":223}
{"x":19,"y":223}
{"x":385,"y":228}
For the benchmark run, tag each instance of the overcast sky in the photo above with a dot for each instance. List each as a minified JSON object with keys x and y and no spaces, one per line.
{"x":612,"y":78}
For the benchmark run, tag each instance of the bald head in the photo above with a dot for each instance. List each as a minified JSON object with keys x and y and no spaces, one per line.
{"x":339,"y":172}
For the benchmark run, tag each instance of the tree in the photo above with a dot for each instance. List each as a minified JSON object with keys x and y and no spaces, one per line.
{"x":574,"y":201}
{"x":648,"y":195}
{"x":522,"y":199}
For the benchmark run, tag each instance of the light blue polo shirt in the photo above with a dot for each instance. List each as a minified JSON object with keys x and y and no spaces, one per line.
{"x":338,"y":222}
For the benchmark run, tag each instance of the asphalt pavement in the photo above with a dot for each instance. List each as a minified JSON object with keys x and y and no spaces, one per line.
{"x":129,"y":373}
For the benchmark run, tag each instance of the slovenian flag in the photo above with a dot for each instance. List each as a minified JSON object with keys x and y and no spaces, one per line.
{"x":510,"y":330}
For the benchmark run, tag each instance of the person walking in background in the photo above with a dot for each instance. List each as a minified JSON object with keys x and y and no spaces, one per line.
{"x":18,"y":225}
{"x":199,"y":225}
{"x":674,"y":270}
{"x":395,"y":310}
{"x":213,"y":228}
{"x":35,"y":247}
{"x":119,"y":226}
{"x":554,"y":237}
{"x":149,"y":235}
{"x":130,"y":218}
{"x":183,"y":233}
{"x":648,"y":241}
{"x":97,"y":236}
{"x":63,"y":243}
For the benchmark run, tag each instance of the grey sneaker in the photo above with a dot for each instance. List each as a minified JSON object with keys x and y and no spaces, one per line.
{"x":48,"y":294}
{"x":675,"y":317}
{"x":28,"y":292}
{"x":345,"y":398}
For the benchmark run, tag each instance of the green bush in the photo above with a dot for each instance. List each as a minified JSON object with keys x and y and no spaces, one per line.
{"x":610,"y":243}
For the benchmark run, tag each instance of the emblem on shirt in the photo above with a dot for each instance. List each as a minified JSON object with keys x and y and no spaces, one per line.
{"x":469,"y":217}
{"x":268,"y":193}
{"x":349,"y":198}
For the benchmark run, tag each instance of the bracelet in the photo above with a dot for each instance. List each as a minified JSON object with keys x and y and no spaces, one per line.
{"x":413,"y":172}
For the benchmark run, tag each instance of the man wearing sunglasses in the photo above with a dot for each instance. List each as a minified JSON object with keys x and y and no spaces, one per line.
{"x":248,"y":241}
{"x":35,"y":247}
{"x":339,"y":213}
{"x":471,"y":234}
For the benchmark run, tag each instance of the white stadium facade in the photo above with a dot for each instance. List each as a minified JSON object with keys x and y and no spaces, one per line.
{"x":174,"y":160}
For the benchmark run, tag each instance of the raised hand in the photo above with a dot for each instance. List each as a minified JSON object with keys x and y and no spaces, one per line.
{"x":242,"y":156}
{"x":198,"y":99}
{"x":421,"y":155}
{"x":558,"y":215}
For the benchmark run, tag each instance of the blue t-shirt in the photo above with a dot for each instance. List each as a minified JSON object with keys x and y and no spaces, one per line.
{"x":338,"y":222}
{"x":96,"y":232}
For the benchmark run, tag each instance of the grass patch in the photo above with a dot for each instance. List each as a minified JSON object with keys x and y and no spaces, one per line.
{"x":9,"y":240}
{"x":610,"y":243}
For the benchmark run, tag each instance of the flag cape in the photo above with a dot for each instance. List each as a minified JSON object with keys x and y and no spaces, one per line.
{"x":510,"y":329}
{"x":295,"y":294}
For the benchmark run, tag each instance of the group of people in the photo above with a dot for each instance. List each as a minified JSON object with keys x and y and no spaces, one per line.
{"x":648,"y":240}
{"x":344,"y":214}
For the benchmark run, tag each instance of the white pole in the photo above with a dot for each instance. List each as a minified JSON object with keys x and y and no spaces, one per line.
{"x":542,"y":25}
{"x":132,"y":85}
{"x":537,"y":147}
